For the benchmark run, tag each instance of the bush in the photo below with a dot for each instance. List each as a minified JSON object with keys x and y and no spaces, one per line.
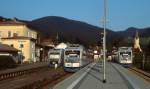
{"x":137,"y":61}
{"x":7,"y":62}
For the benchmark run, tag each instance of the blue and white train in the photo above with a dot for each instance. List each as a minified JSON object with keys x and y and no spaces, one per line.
{"x":55,"y":56}
{"x":74,"y":58}
{"x":125,"y":56}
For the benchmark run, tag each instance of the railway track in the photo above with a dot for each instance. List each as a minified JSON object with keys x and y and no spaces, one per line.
{"x":41,"y":79}
{"x":51,"y":83}
{"x":141,"y":73}
{"x":45,"y":83}
{"x":13,"y":74}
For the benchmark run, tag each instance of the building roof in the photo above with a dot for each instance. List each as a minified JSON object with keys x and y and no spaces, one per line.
{"x":11,"y":23}
{"x":7,"y":48}
{"x":16,"y":23}
{"x":61,"y":46}
{"x":47,"y":42}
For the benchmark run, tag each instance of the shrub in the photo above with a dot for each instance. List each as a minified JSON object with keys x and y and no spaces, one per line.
{"x":7,"y":62}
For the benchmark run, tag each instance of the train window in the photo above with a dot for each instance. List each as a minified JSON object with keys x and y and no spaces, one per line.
{"x":72,"y":59}
{"x":72,"y":52}
{"x":124,"y":53}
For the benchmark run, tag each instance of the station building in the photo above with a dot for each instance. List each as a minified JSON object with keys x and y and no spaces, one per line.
{"x":20,"y":36}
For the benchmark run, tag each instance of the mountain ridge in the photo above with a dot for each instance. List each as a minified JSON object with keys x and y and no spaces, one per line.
{"x":78,"y":31}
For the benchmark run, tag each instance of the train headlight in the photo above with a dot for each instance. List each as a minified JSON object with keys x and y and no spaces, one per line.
{"x":95,"y":51}
{"x":76,"y":65}
{"x":53,"y":62}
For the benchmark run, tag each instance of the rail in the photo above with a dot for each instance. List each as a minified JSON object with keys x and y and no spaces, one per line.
{"x":20,"y":72}
{"x":44,"y":82}
{"x":141,"y":73}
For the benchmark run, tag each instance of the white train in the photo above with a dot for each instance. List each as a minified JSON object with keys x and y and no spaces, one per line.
{"x":125,"y":55}
{"x":74,"y":58}
{"x":55,"y":56}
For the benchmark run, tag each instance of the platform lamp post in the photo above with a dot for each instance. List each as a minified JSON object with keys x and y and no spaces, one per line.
{"x":104,"y":45}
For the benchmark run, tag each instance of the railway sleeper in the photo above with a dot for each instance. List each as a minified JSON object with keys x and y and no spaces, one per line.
{"x":18,"y":73}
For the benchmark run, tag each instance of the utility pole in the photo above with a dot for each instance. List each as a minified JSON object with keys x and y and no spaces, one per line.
{"x":104,"y":45}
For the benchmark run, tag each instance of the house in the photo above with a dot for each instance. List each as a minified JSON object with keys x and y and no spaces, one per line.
{"x":20,"y":36}
{"x":6,"y":50}
{"x":46,"y":44}
{"x":61,"y":46}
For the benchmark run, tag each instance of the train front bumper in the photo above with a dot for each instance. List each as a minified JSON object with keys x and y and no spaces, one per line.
{"x":72,"y":64}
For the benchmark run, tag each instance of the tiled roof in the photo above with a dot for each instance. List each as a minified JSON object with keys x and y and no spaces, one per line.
{"x":7,"y":48}
{"x":16,"y":23}
{"x":11,"y":23}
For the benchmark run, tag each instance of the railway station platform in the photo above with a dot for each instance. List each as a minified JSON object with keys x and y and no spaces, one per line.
{"x":91,"y":77}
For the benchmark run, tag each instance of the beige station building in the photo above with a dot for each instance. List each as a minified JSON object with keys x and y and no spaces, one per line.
{"x":20,"y":36}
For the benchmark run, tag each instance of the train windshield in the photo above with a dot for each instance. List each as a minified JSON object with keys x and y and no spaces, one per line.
{"x":54,"y":55}
{"x":125,"y":55}
{"x":72,"y":56}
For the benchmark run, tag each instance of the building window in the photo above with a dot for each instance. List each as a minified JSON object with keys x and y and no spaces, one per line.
{"x":32,"y":35}
{"x":9,"y":33}
{"x":28,"y":34}
{"x":15,"y":34}
{"x":21,"y":45}
{"x":32,"y":45}
{"x":32,"y":56}
{"x":12,"y":45}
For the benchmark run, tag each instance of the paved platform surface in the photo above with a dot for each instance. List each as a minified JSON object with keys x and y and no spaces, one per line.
{"x":91,"y":77}
{"x":95,"y":77}
{"x":136,"y":80}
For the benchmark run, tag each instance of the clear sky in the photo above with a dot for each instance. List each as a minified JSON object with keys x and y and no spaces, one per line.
{"x":121,"y":13}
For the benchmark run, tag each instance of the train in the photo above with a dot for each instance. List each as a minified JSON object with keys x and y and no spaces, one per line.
{"x":75,"y":58}
{"x":125,"y":56}
{"x":55,"y":56}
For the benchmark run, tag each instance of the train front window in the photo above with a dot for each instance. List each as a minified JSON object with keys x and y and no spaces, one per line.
{"x":72,"y":56}
{"x":126,"y":55}
{"x":72,"y":52}
{"x":54,"y":55}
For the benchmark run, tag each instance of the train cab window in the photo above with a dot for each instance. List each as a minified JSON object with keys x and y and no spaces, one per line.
{"x":72,"y":52}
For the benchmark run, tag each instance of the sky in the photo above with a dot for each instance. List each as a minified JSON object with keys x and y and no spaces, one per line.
{"x":121,"y":14}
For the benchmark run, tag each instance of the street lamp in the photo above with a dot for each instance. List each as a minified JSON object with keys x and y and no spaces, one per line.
{"x":104,"y":45}
{"x":42,"y":55}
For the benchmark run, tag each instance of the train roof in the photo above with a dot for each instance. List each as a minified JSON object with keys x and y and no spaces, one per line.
{"x":74,"y":48}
